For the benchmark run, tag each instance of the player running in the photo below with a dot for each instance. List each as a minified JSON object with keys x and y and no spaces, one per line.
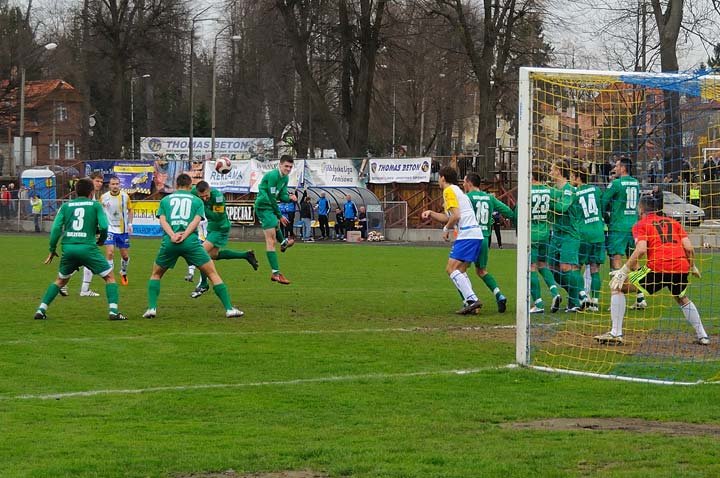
{"x":670,"y":257}
{"x":540,"y":199}
{"x":466,"y":248}
{"x":218,"y":232}
{"x":273,"y":188}
{"x":118,"y":209}
{"x":588,"y":199}
{"x":179,"y":214}
{"x":620,"y":200}
{"x":484,"y":204}
{"x":77,"y":222}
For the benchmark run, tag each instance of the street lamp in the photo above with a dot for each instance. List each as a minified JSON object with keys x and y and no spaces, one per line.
{"x":195,"y":20}
{"x":132,"y":113}
{"x":49,"y":47}
{"x":394,"y":112}
{"x":214,"y":76}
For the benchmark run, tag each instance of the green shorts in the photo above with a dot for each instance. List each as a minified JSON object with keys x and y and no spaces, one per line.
{"x":267,"y":218}
{"x":218,"y":238}
{"x":482,"y":261}
{"x":620,"y":243}
{"x":592,"y":253}
{"x":539,"y":252}
{"x":565,"y":250}
{"x":192,"y":251}
{"x":76,"y":255}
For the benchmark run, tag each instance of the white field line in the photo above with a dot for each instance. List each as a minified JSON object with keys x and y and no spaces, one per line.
{"x":255,"y":333}
{"x":271,"y":383}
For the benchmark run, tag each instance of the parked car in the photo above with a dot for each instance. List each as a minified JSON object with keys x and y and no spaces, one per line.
{"x":677,"y":208}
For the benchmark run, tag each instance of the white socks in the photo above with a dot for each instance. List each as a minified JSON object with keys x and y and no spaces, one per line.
{"x":123,"y":265}
{"x":87,"y":277}
{"x":617,"y":313}
{"x":693,"y":316}
{"x":191,"y":270}
{"x":463,"y":284}
{"x":587,"y":275}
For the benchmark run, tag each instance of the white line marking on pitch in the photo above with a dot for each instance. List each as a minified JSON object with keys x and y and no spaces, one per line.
{"x":299,"y":381}
{"x":254,"y":333}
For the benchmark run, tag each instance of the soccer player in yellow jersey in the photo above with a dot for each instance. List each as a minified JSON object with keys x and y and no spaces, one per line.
{"x":466,"y":248}
{"x":118,"y":209}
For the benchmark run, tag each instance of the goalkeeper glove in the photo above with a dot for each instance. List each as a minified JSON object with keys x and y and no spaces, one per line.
{"x":695,"y":271}
{"x":618,"y":277}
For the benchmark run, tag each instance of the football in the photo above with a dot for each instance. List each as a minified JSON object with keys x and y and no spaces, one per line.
{"x":223,"y":165}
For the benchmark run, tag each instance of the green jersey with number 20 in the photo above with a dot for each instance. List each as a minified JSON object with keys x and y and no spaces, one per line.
{"x":621,"y":199}
{"x":179,"y":209}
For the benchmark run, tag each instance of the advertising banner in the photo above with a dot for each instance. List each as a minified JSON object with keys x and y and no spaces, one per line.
{"x":332,"y":173}
{"x":406,"y":170}
{"x":245,"y":176}
{"x":177,"y":148}
{"x":241,"y":212}
{"x":135,"y":178}
{"x":144,"y":221}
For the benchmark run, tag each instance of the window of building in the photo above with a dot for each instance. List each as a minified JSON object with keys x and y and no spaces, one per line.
{"x":54,"y":151}
{"x":61,"y":113}
{"x":70,"y":149}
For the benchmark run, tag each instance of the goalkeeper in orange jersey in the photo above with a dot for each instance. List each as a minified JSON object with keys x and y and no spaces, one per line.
{"x":670,"y":258}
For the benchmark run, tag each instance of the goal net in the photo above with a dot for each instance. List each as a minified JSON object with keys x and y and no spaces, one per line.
{"x":592,"y":145}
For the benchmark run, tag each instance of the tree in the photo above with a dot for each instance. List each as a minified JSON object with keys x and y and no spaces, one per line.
{"x":714,"y":61}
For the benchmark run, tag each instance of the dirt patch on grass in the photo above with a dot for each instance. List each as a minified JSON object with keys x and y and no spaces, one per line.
{"x":235,"y":474}
{"x":633,"y":425}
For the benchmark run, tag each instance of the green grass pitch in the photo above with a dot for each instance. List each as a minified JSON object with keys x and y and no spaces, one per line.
{"x":348,"y":371}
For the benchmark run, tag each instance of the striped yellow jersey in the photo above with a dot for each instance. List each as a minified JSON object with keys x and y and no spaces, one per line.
{"x":468,"y":227}
{"x":117,"y":209}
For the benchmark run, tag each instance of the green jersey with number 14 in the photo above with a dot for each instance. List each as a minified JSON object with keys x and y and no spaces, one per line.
{"x":179,"y":209}
{"x":621,"y":199}
{"x":589,"y":218}
{"x":539,"y":210}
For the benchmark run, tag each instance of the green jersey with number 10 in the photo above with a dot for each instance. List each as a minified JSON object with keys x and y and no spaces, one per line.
{"x":621,"y":198}
{"x":179,"y":209}
{"x":589,"y":218}
{"x":539,"y":212}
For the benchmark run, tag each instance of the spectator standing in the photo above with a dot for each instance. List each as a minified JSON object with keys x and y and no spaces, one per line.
{"x":4,"y":203}
{"x":339,"y":224}
{"x":72,"y":183}
{"x":36,"y":204}
{"x":655,"y":170}
{"x":707,"y":169}
{"x":350,"y":212}
{"x":306,"y":217}
{"x":686,"y":170}
{"x":323,"y":210}
{"x":13,"y":200}
{"x":695,"y":194}
{"x":496,"y":220}
{"x":715,"y":169}
{"x":23,"y":196}
{"x":362,"y":219}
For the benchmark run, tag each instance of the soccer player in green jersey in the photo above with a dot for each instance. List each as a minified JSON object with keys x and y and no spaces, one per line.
{"x":592,"y":230}
{"x":540,"y":198}
{"x":484,"y":204}
{"x":77,"y":222}
{"x":179,"y":214}
{"x":621,"y":200}
{"x":273,"y":188}
{"x":565,"y":243}
{"x":218,"y":232}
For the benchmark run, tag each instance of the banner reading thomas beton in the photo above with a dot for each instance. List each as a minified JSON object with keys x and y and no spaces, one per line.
{"x":406,"y":170}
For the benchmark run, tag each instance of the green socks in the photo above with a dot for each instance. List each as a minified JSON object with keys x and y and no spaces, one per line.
{"x":547,"y":275}
{"x":52,"y":291}
{"x":230,"y":254}
{"x":222,"y":293}
{"x":113,"y":296}
{"x":491,"y":284}
{"x":534,"y":285}
{"x":279,"y":235}
{"x":273,"y":260}
{"x":153,"y":293}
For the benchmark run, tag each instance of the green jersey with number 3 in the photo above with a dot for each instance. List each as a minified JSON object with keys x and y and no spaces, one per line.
{"x":540,"y":196}
{"x":484,"y":204}
{"x":77,"y":222}
{"x":621,"y":199}
{"x":587,"y":213}
{"x":179,"y":209}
